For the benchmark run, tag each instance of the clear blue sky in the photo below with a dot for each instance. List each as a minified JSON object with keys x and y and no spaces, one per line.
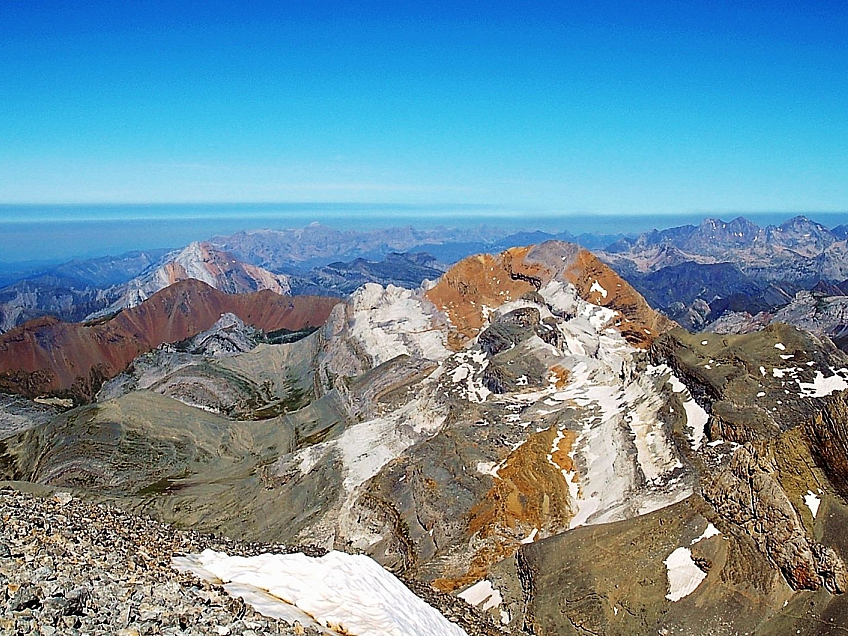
{"x":581,"y":107}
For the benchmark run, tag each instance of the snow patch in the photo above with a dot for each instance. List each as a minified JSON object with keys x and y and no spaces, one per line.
{"x":696,"y":416}
{"x":822,"y":386}
{"x":488,"y":468}
{"x":349,"y":593}
{"x":780,"y":346}
{"x":683,"y":575}
{"x":813,"y":501}
{"x":530,"y":538}
{"x":366,"y":447}
{"x":482,"y":595}
{"x":619,"y":415}
{"x":710,"y":531}
{"x":781,"y":373}
{"x":596,"y":287}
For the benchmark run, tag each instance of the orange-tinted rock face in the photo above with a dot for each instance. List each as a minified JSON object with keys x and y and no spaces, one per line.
{"x":48,"y":356}
{"x":472,"y":285}
{"x":175,"y":272}
{"x":530,"y":491}
{"x":600,"y":285}
{"x":475,"y":285}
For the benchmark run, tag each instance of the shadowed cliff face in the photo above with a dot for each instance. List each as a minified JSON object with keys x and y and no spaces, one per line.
{"x":49,"y":356}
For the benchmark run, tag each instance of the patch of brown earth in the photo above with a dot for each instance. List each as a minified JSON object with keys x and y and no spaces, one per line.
{"x":529,"y":493}
{"x":558,"y":376}
{"x":469,"y":286}
{"x":46,"y":356}
{"x":175,"y":272}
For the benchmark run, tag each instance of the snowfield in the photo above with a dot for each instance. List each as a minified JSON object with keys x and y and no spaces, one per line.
{"x":348,"y":594}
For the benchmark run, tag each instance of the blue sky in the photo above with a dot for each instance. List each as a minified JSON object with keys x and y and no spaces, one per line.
{"x":615,"y":107}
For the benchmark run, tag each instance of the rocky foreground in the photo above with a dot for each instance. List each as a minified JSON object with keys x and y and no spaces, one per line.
{"x":71,"y":567}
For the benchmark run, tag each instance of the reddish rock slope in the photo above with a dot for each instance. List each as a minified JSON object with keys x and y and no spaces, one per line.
{"x":48,"y":356}
{"x":481,"y":281}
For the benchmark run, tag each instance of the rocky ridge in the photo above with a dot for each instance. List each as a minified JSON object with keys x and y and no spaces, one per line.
{"x":199,"y":261}
{"x":71,"y":567}
{"x":697,"y":273}
{"x":70,"y":291}
{"x":821,"y":313}
{"x":46,"y":356}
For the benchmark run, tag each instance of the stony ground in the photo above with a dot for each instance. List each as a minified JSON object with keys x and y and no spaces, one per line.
{"x":74,"y":568}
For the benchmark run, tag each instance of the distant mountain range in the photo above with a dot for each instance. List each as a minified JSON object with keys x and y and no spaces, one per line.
{"x":695,"y":274}
{"x":312,"y":260}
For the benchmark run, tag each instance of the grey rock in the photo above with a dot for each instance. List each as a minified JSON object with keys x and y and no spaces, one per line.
{"x":28,"y":596}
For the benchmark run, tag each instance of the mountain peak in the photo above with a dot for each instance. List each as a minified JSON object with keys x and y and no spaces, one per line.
{"x":49,"y":356}
{"x":478,"y":284}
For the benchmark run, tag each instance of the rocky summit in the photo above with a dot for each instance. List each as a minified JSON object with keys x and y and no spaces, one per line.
{"x":525,"y":435}
{"x":71,"y":567}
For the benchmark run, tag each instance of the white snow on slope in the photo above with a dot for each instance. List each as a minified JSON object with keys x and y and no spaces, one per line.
{"x":596,"y":287}
{"x":368,"y":446}
{"x":392,"y":321}
{"x":813,"y":502}
{"x":683,"y":575}
{"x":616,"y":412}
{"x":482,"y":595}
{"x":351,"y":594}
{"x":468,"y":374}
{"x":710,"y":531}
{"x":564,"y":299}
{"x":617,"y":415}
{"x":623,"y":417}
{"x":696,"y":416}
{"x":822,"y":386}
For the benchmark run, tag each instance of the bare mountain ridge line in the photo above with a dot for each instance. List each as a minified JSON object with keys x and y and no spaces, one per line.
{"x":47,"y":356}
{"x":697,"y":274}
{"x":768,"y":265}
{"x":202,"y":261}
{"x":92,"y":289}
{"x":483,"y":280}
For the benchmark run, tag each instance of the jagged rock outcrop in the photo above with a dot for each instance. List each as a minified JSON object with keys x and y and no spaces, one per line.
{"x":747,"y":493}
{"x":824,"y":315}
{"x":697,"y":274}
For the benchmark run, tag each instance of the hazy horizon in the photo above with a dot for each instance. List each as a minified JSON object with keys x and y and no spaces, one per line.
{"x":606,"y":117}
{"x":57,"y":233}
